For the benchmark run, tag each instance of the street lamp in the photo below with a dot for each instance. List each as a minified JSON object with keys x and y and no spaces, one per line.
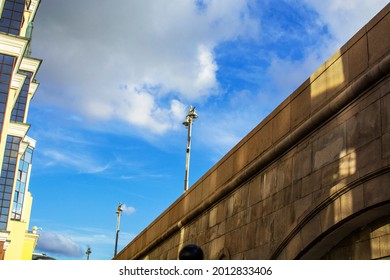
{"x":88,"y":252}
{"x":188,"y":123}
{"x":118,"y":214}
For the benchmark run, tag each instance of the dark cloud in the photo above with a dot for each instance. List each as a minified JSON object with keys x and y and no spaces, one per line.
{"x":58,"y":244}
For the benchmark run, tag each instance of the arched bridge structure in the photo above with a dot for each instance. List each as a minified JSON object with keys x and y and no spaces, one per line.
{"x":311,"y":181}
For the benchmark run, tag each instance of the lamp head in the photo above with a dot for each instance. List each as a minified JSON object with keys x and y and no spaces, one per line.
{"x":192,"y":113}
{"x":186,"y":121}
{"x":119,"y":210}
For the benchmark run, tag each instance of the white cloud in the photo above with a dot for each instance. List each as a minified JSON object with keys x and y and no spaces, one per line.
{"x":207,"y":68}
{"x":79,"y":161}
{"x":128,"y":210}
{"x":135,"y":62}
{"x":139,"y":109}
{"x":345,"y":17}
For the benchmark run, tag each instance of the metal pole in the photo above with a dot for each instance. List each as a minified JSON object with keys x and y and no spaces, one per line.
{"x":188,"y":123}
{"x":88,"y":252}
{"x":188,"y":152}
{"x":116,"y":243}
{"x":118,"y":213}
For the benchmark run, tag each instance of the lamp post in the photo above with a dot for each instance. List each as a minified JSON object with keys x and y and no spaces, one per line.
{"x":118,"y":214}
{"x":188,"y":123}
{"x":88,"y":252}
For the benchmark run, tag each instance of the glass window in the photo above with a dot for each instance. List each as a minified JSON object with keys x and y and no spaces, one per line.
{"x":16,"y":196}
{"x":20,"y":188}
{"x":8,"y":174}
{"x":12,"y":16}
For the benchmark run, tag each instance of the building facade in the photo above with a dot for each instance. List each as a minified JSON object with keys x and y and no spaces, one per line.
{"x":17,"y":88}
{"x":311,"y":181}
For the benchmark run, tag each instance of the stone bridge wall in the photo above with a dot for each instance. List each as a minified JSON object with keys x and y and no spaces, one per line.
{"x":306,"y":181}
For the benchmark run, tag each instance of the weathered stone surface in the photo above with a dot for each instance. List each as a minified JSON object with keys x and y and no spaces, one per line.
{"x":386,"y":113}
{"x":302,"y":162}
{"x":357,"y":57}
{"x":352,"y":202}
{"x":311,"y":231}
{"x":337,"y":74}
{"x":300,"y":108}
{"x":378,"y":40}
{"x":281,"y":124}
{"x":311,"y":183}
{"x":328,"y":148}
{"x":318,"y":90}
{"x":386,"y":145}
{"x":364,"y":127}
{"x":377,"y":190}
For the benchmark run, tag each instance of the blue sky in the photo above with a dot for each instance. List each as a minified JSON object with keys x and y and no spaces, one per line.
{"x":116,"y":83}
